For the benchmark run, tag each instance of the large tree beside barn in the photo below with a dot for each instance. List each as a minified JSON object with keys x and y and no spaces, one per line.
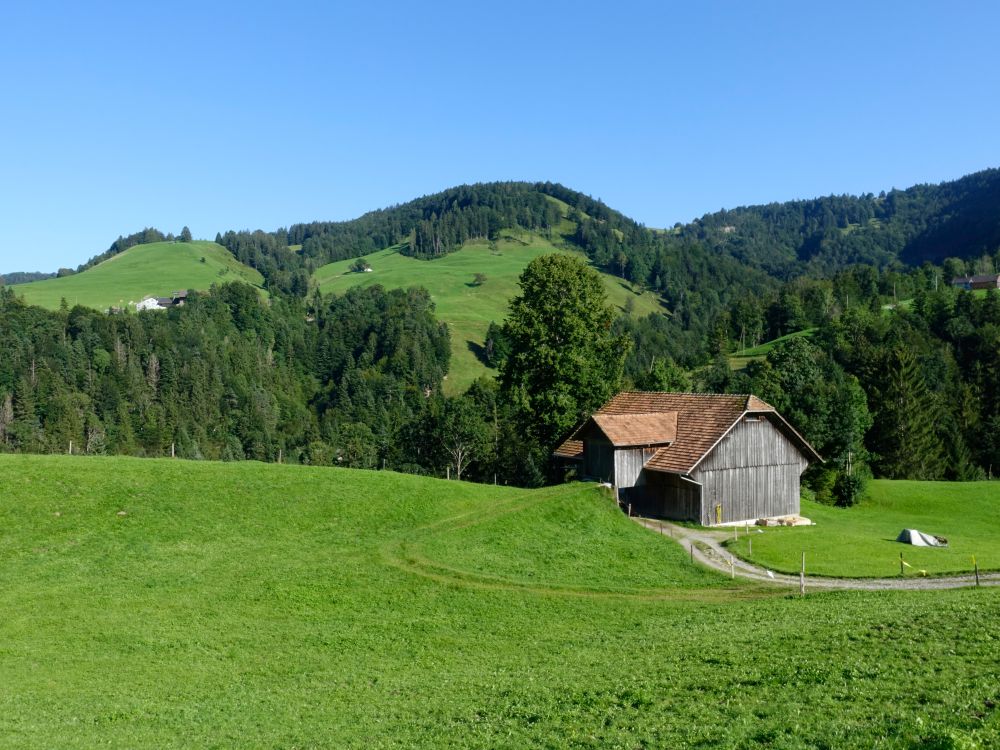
{"x":564,"y":359}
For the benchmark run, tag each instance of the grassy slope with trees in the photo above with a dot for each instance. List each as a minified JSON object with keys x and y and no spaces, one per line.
{"x":155,"y":269}
{"x":909,"y":391}
{"x":144,"y":607}
{"x":466,"y":306}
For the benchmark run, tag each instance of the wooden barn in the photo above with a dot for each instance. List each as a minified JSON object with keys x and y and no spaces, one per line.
{"x":709,"y":458}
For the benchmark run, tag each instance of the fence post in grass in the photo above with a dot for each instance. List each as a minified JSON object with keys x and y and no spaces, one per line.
{"x":802,"y":575}
{"x":630,"y":510}
{"x":172,"y":453}
{"x":732,"y":567}
{"x":736,"y":533}
{"x":901,"y":572}
{"x":975,"y":565}
{"x":692,"y":551}
{"x":71,"y":447}
{"x":749,"y":546}
{"x":448,"y":472}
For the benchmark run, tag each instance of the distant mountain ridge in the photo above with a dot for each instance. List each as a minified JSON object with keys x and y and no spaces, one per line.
{"x":959,"y":218}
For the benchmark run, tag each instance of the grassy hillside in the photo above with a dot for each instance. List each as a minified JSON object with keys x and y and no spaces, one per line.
{"x":861,"y":541}
{"x":466,"y":307}
{"x":150,"y":603}
{"x":742,"y":358}
{"x":156,"y":269}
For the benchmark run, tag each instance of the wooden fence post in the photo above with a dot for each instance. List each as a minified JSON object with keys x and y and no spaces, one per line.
{"x":901,"y":572}
{"x":71,"y":447}
{"x":976,"y":566}
{"x":172,"y":455}
{"x":802,"y":575}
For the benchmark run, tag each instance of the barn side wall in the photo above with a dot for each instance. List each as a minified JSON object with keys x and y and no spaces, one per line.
{"x":752,"y":473}
{"x":628,"y":466}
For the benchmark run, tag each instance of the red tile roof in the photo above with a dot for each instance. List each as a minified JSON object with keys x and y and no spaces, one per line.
{"x":570,"y":449}
{"x":655,"y":428}
{"x":702,"y":420}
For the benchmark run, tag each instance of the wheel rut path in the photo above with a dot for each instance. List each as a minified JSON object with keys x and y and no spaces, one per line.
{"x":708,"y":551}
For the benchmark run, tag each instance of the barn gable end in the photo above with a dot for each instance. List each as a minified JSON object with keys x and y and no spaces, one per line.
{"x":753,"y":472}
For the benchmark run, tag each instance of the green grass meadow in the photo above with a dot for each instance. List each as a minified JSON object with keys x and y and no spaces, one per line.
{"x":161,"y":604}
{"x":861,"y":541}
{"x":467,"y":308}
{"x":156,"y":269}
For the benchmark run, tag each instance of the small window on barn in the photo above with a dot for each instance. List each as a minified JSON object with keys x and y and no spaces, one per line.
{"x":752,"y":418}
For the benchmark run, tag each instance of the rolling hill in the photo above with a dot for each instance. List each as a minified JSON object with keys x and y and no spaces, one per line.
{"x":467,"y":307}
{"x":144,"y":606}
{"x":155,"y":269}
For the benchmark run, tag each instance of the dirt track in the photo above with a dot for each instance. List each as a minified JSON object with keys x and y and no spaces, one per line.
{"x":708,"y":551}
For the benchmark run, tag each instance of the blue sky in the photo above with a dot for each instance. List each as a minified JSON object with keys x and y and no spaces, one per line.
{"x":117,"y":116}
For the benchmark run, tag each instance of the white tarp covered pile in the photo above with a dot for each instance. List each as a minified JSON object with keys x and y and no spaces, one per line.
{"x":920,"y":539}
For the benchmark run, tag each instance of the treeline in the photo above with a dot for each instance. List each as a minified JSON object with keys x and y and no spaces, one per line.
{"x":23,"y":277}
{"x":225,"y":377}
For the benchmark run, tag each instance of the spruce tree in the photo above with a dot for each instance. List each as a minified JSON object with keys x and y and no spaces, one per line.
{"x":908,"y":440}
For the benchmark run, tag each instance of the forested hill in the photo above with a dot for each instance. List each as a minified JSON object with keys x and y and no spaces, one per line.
{"x":958,"y":219}
{"x":695,"y":280}
{"x":724,"y":254}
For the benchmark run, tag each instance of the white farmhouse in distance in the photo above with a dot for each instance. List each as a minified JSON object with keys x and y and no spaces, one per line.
{"x":147,"y":303}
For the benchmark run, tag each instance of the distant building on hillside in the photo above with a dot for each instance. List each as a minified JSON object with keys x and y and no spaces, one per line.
{"x":709,"y":458}
{"x":161,"y":303}
{"x":982,"y":281}
{"x":147,"y":303}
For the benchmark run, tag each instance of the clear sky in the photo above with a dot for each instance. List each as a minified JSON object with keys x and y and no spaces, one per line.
{"x":235,"y":115}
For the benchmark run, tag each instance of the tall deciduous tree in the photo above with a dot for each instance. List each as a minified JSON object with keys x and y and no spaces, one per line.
{"x":564,"y":359}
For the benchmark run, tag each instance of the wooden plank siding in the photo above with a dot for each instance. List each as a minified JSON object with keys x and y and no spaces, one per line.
{"x":598,"y":458}
{"x":628,"y":465}
{"x":752,"y":473}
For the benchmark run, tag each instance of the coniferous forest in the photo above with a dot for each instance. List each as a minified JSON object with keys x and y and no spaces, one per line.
{"x":896,"y":372}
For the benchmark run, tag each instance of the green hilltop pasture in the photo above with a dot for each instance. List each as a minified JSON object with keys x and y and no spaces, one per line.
{"x":167,"y":604}
{"x":742,"y":358}
{"x":157,"y":269}
{"x":468,"y":308}
{"x":861,"y":540}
